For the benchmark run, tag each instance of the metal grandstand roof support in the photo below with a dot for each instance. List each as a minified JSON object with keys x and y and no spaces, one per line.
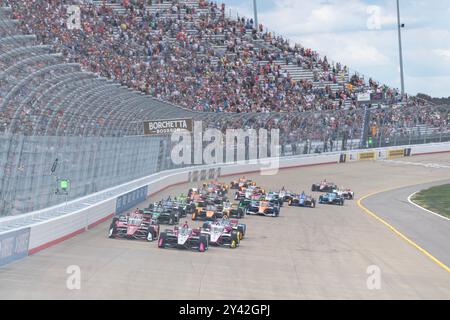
{"x":20,"y":50}
{"x":17,"y":39}
{"x":19,"y":64}
{"x":64,"y":95}
{"x":55,"y":84}
{"x":71,"y":98}
{"x":122,"y":115}
{"x":400,"y":26}
{"x":127,"y":122}
{"x":20,"y":85}
{"x":89,"y":107}
{"x":107,"y":103}
{"x":9,"y":26}
{"x":72,"y":117}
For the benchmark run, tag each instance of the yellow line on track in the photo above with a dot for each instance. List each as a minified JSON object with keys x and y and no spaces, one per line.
{"x":400,"y":234}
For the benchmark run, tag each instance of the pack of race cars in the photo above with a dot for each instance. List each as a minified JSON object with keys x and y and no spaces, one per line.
{"x":221,"y":217}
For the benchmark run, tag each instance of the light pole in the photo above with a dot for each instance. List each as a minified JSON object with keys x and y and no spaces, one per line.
{"x":400,"y":25}
{"x":255,"y":9}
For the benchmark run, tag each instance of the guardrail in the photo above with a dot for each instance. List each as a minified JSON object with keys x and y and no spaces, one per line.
{"x":44,"y":228}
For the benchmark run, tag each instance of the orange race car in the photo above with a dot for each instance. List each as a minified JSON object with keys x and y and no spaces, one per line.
{"x":207,"y":213}
{"x":263,"y":208}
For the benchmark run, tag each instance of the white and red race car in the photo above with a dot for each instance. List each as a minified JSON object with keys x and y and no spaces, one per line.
{"x":184,"y":238}
{"x":136,"y":225}
{"x":221,"y":234}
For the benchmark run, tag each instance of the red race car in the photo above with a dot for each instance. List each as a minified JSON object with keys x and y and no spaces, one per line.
{"x":136,"y":225}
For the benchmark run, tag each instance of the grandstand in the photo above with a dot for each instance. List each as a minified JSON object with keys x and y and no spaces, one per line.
{"x":81,"y":95}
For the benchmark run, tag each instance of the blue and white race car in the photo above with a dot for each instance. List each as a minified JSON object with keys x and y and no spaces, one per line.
{"x":332,"y":198}
{"x":302,"y":200}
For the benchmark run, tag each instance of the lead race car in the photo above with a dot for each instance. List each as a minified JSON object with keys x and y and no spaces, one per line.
{"x":346,"y":193}
{"x":221,"y":233}
{"x":234,"y":224}
{"x":332,"y":198}
{"x":324,"y":186}
{"x":184,"y":238}
{"x":137,"y":225}
{"x":302,"y":200}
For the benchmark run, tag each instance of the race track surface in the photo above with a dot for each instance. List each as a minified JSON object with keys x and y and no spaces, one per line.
{"x":320,"y":253}
{"x":429,"y":231}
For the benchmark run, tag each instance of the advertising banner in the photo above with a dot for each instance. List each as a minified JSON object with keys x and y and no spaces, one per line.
{"x":167,"y":126}
{"x":366,"y":156}
{"x":14,"y":246}
{"x":399,"y":153}
{"x":131,"y":199}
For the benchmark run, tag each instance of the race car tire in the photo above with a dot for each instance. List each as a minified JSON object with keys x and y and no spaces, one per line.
{"x":206,"y":225}
{"x":313,"y":204}
{"x":235,"y":239}
{"x":162,"y":240}
{"x":150,"y":237}
{"x":112,"y":230}
{"x":203,"y":245}
{"x":241,"y":230}
{"x":173,"y":219}
{"x":290,"y":203}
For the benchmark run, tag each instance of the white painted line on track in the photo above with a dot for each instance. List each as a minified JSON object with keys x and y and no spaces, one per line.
{"x":420,"y":207}
{"x":426,"y":165}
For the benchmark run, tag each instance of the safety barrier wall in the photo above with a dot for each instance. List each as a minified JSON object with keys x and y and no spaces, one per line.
{"x":48,"y":232}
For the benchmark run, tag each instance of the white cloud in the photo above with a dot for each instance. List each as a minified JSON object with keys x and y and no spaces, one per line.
{"x":340,"y":31}
{"x":445,"y":53}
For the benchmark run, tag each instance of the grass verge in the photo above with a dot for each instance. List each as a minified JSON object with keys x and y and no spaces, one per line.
{"x":436,"y":199}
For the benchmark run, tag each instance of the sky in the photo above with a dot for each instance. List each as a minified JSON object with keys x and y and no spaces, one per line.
{"x":362,"y":34}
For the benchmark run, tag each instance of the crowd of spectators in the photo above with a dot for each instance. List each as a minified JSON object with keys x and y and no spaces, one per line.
{"x":198,"y":58}
{"x":172,"y":55}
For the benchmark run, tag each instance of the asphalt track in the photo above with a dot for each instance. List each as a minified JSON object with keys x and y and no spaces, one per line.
{"x":320,"y":253}
{"x":431,"y":232}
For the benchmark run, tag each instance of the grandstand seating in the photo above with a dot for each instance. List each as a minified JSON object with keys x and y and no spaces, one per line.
{"x":45,"y":93}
